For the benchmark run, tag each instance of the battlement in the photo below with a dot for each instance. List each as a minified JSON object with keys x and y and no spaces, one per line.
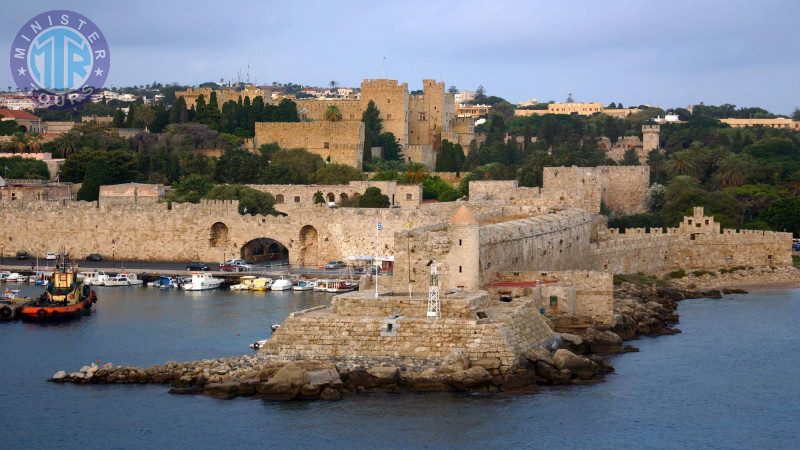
{"x":382,"y":83}
{"x":651,"y":128}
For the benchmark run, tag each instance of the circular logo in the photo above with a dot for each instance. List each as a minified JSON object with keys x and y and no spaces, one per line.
{"x":60,"y":59}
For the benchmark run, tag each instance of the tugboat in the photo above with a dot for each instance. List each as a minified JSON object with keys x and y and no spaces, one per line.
{"x":65,"y":296}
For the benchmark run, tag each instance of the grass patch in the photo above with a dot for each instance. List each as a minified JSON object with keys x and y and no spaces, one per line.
{"x":733,"y":269}
{"x":677,"y":274}
{"x":796,"y":261}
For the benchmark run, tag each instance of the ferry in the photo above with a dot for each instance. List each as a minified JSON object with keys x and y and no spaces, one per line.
{"x":65,"y":296}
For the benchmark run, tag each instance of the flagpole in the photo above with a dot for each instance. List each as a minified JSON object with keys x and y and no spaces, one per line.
{"x":376,"y":260}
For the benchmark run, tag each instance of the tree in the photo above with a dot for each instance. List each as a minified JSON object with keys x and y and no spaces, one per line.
{"x":504,"y":109}
{"x":415,"y":172}
{"x":8,"y":127}
{"x":237,"y":166}
{"x":333,"y":114}
{"x":452,"y":90}
{"x":318,"y":198}
{"x":35,"y":141}
{"x":145,"y":115}
{"x":783,"y":215}
{"x":480,"y":95}
{"x":289,"y":166}
{"x":656,"y":197}
{"x":97,"y":174}
{"x":19,"y":141}
{"x":680,"y":185}
{"x":796,"y":114}
{"x":119,"y":119}
{"x":191,"y":188}
{"x":19,"y":167}
{"x":336,"y":174}
{"x":630,"y":158}
{"x":67,"y":144}
{"x":251,"y":201}
{"x":732,"y":170}
{"x":373,"y":198}
{"x":373,"y":124}
{"x":391,"y":148}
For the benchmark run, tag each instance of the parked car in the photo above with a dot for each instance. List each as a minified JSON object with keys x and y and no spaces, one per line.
{"x":22,"y":254}
{"x":235,"y":265}
{"x":796,"y":247}
{"x":335,"y":265}
{"x":94,"y":257}
{"x":50,"y":256}
{"x":197,"y":266}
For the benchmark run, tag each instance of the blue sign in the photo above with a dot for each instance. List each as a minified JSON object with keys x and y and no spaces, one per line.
{"x":59,"y":59}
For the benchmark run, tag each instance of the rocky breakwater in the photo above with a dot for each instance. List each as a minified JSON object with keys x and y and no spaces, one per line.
{"x":247,"y":376}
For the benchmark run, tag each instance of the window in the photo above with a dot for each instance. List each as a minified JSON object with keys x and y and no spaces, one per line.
{"x":553,"y":301}
{"x":304,"y":117}
{"x":769,"y":257}
{"x":297,"y":199}
{"x":409,"y":197}
{"x":688,"y":259}
{"x":459,"y":269}
{"x":422,"y":116}
{"x":388,"y":100}
{"x":326,"y":145}
{"x":279,"y":198}
{"x":729,"y":258}
{"x":388,"y":117}
{"x":459,"y":242}
{"x":352,"y":116}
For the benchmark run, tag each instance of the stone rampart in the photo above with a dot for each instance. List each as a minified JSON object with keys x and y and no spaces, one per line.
{"x":341,"y":141}
{"x":585,"y":194}
{"x":622,"y":188}
{"x":289,"y":197}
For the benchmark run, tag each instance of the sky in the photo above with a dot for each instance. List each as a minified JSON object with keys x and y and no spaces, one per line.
{"x":668,"y":54}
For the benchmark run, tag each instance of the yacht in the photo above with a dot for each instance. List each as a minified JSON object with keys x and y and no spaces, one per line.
{"x":124,"y":279}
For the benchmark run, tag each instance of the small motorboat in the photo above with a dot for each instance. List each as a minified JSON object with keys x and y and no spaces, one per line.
{"x":282,"y":284}
{"x":262,"y":284}
{"x":304,"y":285}
{"x":202,"y":281}
{"x":275,"y":326}
{"x":321,"y":285}
{"x":245,"y":283}
{"x":258,"y":344}
{"x":95,"y":278}
{"x":124,"y":279}
{"x":165,"y":282}
{"x":340,"y":286}
{"x":14,"y":277}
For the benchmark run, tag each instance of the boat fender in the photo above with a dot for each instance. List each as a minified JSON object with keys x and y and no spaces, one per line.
{"x":5,"y":312}
{"x":54,"y":312}
{"x":256,"y":345}
{"x":41,"y":313}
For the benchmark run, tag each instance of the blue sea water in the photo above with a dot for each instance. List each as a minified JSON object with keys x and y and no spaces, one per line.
{"x":730,"y":380}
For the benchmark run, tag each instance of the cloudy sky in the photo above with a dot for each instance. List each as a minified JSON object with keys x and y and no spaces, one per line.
{"x":668,"y":53}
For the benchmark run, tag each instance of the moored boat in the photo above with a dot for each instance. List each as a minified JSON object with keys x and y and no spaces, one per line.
{"x":65,"y":296}
{"x":202,"y":281}
{"x":262,"y":284}
{"x":304,"y":285}
{"x":165,"y":282}
{"x":95,"y":278}
{"x":9,"y":294}
{"x":245,"y":283}
{"x":321,"y":285}
{"x":282,"y":284}
{"x":340,"y":286}
{"x":124,"y":279}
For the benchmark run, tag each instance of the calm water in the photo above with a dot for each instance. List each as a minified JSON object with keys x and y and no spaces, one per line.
{"x":728,"y":381}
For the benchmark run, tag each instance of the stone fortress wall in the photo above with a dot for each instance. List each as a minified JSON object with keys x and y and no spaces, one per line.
{"x":223,"y":96}
{"x":622,"y":188}
{"x":289,"y":197}
{"x":342,"y":142}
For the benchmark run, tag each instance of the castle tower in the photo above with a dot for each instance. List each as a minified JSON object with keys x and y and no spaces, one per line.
{"x":650,"y":137}
{"x":463,"y":261}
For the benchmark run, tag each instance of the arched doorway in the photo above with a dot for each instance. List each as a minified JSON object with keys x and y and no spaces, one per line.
{"x":331,"y":197}
{"x":263,"y":249}
{"x":219,"y":235}
{"x":309,"y":246}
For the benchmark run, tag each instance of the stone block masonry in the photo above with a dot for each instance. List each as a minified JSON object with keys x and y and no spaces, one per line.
{"x":622,"y":188}
{"x":342,"y":142}
{"x":348,"y":335}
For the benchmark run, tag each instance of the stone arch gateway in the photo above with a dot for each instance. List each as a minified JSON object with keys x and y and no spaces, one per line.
{"x":263,"y":249}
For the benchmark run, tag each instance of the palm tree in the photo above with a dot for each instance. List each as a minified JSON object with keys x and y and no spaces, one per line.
{"x":333,"y":113}
{"x":682,"y":163}
{"x":35,"y":141}
{"x":680,"y":185}
{"x":732,"y":170}
{"x":19,"y":141}
{"x":794,"y":182}
{"x":416,"y":172}
{"x":145,"y":115}
{"x":67,"y":144}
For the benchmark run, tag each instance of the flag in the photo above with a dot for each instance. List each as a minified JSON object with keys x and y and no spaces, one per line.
{"x":380,"y":227}
{"x":245,"y":209}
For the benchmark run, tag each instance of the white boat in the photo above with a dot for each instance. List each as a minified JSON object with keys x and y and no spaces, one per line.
{"x":304,"y":285}
{"x":321,"y":285}
{"x":14,"y":277}
{"x":124,"y":279}
{"x":245,"y":283}
{"x":282,"y":284}
{"x":258,"y":344}
{"x":202,"y":281}
{"x":95,"y":278}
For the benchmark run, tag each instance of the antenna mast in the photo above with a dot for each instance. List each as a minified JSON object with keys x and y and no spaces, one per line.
{"x":434,"y":307}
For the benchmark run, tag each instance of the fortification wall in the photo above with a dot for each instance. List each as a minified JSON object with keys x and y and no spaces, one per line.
{"x":289,"y":197}
{"x":341,"y":141}
{"x":585,"y":195}
{"x":314,"y":110}
{"x":622,"y":188}
{"x":457,"y":306}
{"x":420,"y":153}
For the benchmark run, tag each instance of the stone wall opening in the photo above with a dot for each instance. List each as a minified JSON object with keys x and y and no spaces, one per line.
{"x":219,"y":235}
{"x":309,"y":246}
{"x":263,"y":249}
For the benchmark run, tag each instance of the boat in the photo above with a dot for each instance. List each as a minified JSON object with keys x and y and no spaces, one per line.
{"x":95,"y":278}
{"x":304,"y":285}
{"x":9,"y":294}
{"x":124,"y":279}
{"x":282,"y":284}
{"x":65,"y":296}
{"x":14,"y":277}
{"x":321,"y":285}
{"x":258,"y":344}
{"x":262,"y":284}
{"x":165,"y":282}
{"x":39,"y":278}
{"x":275,"y":326}
{"x":245,"y":283}
{"x":340,"y":286}
{"x":202,"y":281}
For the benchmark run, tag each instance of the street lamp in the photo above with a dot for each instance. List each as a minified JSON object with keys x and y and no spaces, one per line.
{"x":2,"y":254}
{"x":113,"y":261}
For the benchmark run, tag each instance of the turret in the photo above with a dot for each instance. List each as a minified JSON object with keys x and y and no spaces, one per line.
{"x":463,"y":261}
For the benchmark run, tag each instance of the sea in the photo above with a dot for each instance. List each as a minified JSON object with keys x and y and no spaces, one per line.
{"x":729,"y":380}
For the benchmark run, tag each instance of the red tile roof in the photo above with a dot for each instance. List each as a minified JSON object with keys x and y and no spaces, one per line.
{"x":15,"y":114}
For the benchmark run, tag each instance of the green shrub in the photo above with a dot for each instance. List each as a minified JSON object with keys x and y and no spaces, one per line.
{"x":700,"y":273}
{"x":677,"y":274}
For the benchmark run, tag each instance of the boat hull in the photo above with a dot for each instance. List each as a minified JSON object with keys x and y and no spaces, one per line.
{"x":50,"y":311}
